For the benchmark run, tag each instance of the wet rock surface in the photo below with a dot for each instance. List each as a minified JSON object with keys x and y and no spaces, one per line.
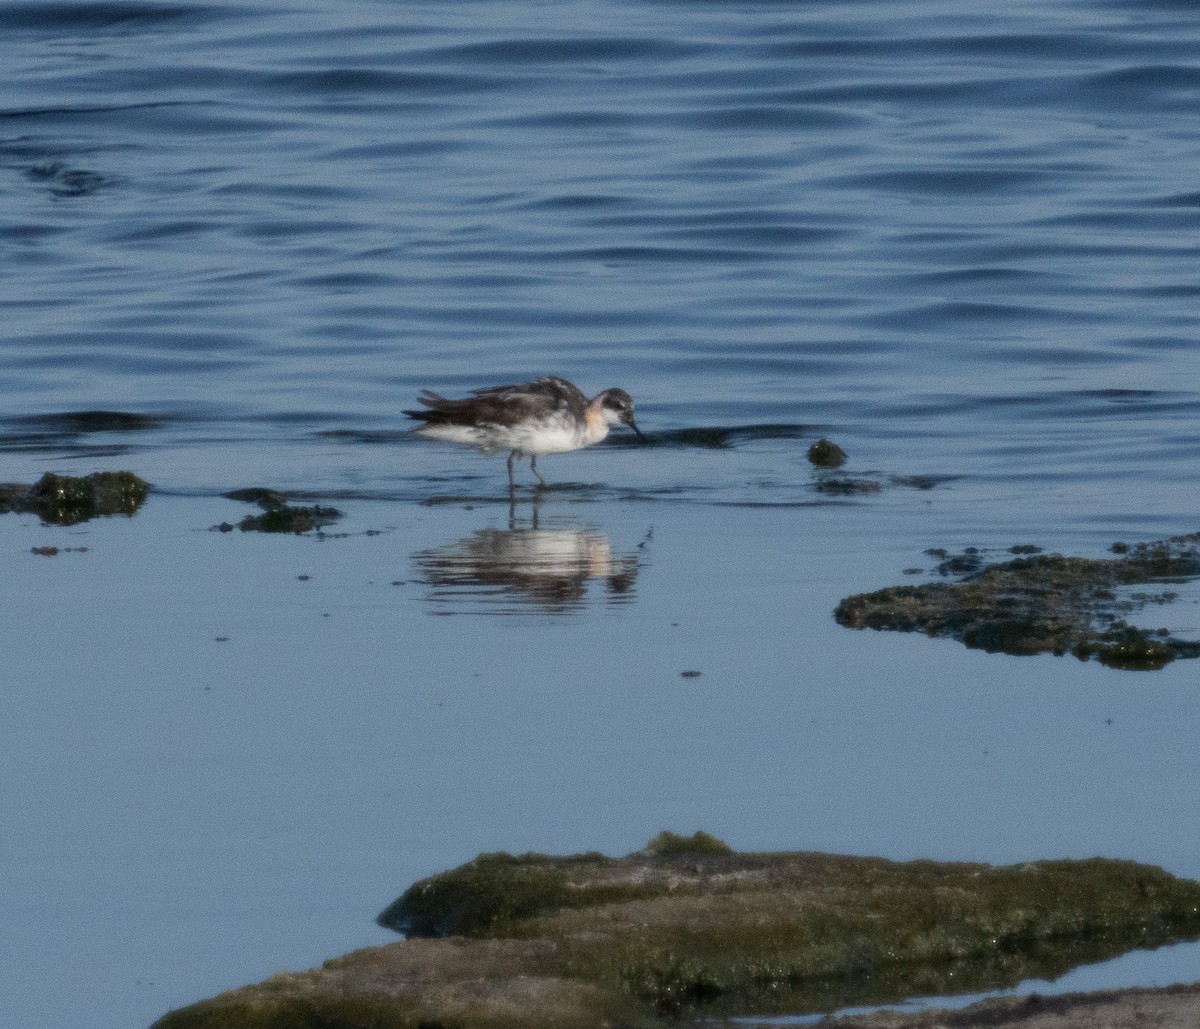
{"x":1044,"y":603}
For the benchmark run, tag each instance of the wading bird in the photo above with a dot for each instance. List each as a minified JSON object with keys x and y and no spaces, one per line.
{"x":546,"y":416}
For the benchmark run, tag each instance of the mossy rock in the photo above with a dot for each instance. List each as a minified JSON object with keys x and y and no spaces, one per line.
{"x":1042,"y":603}
{"x":554,"y":942}
{"x":421,"y":984}
{"x":69,"y":500}
{"x":492,"y":894}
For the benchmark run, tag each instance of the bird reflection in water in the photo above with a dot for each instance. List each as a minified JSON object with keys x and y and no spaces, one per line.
{"x":513,"y":570}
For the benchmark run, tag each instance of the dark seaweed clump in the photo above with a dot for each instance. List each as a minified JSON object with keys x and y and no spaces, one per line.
{"x":69,"y":499}
{"x":295,"y":520}
{"x":1042,"y":603}
{"x":278,"y":516}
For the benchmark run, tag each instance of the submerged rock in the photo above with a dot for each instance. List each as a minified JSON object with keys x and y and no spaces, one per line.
{"x":1043,"y":603}
{"x":278,"y":516}
{"x":69,"y":500}
{"x":295,"y":520}
{"x":688,"y":927}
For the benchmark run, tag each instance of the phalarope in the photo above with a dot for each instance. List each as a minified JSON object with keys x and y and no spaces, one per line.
{"x":546,"y":416}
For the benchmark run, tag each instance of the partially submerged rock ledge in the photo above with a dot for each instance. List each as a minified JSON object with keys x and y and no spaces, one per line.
{"x":1045,"y":603}
{"x":70,"y":499}
{"x":688,"y":929}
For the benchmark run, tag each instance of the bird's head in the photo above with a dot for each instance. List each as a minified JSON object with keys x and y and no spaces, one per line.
{"x":616,"y":408}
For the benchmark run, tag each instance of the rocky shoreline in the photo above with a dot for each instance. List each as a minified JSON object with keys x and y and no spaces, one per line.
{"x":687,"y":931}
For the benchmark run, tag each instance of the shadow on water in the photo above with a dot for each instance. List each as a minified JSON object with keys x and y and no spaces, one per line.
{"x":70,"y":432}
{"x":527,"y":567}
{"x":715,"y":437}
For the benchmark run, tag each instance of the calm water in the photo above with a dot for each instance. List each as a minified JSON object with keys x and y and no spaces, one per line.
{"x":962,"y":243}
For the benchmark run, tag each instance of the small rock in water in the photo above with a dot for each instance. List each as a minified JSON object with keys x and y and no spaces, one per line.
{"x":825,"y":454}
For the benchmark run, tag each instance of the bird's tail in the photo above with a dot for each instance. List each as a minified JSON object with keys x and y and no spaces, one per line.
{"x":435,"y":402}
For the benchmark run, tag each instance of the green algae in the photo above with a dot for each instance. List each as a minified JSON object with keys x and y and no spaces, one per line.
{"x":69,"y":500}
{"x":687,"y":927}
{"x":492,"y":894}
{"x":672,"y":844}
{"x":495,"y":892}
{"x":1042,"y":603}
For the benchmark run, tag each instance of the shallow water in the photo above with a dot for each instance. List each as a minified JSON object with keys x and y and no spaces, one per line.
{"x":238,"y":239}
{"x":1163,"y":967}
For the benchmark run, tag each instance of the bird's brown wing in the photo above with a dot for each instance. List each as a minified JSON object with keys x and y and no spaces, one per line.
{"x":503,"y":405}
{"x":549,"y":390}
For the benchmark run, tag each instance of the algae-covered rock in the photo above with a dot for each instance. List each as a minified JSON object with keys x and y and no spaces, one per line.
{"x":686,"y":926}
{"x":494,"y":891}
{"x":278,"y":516}
{"x":1042,"y":603}
{"x":422,"y":984}
{"x":295,"y":520}
{"x":69,"y":500}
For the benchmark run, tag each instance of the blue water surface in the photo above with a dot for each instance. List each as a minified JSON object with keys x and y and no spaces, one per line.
{"x":236,"y":239}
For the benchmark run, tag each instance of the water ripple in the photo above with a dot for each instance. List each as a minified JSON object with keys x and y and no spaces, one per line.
{"x":746,"y":207}
{"x":55,"y":17}
{"x":566,"y":49}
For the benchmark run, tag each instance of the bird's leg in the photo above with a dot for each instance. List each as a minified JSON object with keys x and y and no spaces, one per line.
{"x":533,"y":465}
{"x":512,"y":482}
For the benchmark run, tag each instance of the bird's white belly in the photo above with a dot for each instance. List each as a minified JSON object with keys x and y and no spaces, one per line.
{"x":548,"y":437}
{"x":543,"y":438}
